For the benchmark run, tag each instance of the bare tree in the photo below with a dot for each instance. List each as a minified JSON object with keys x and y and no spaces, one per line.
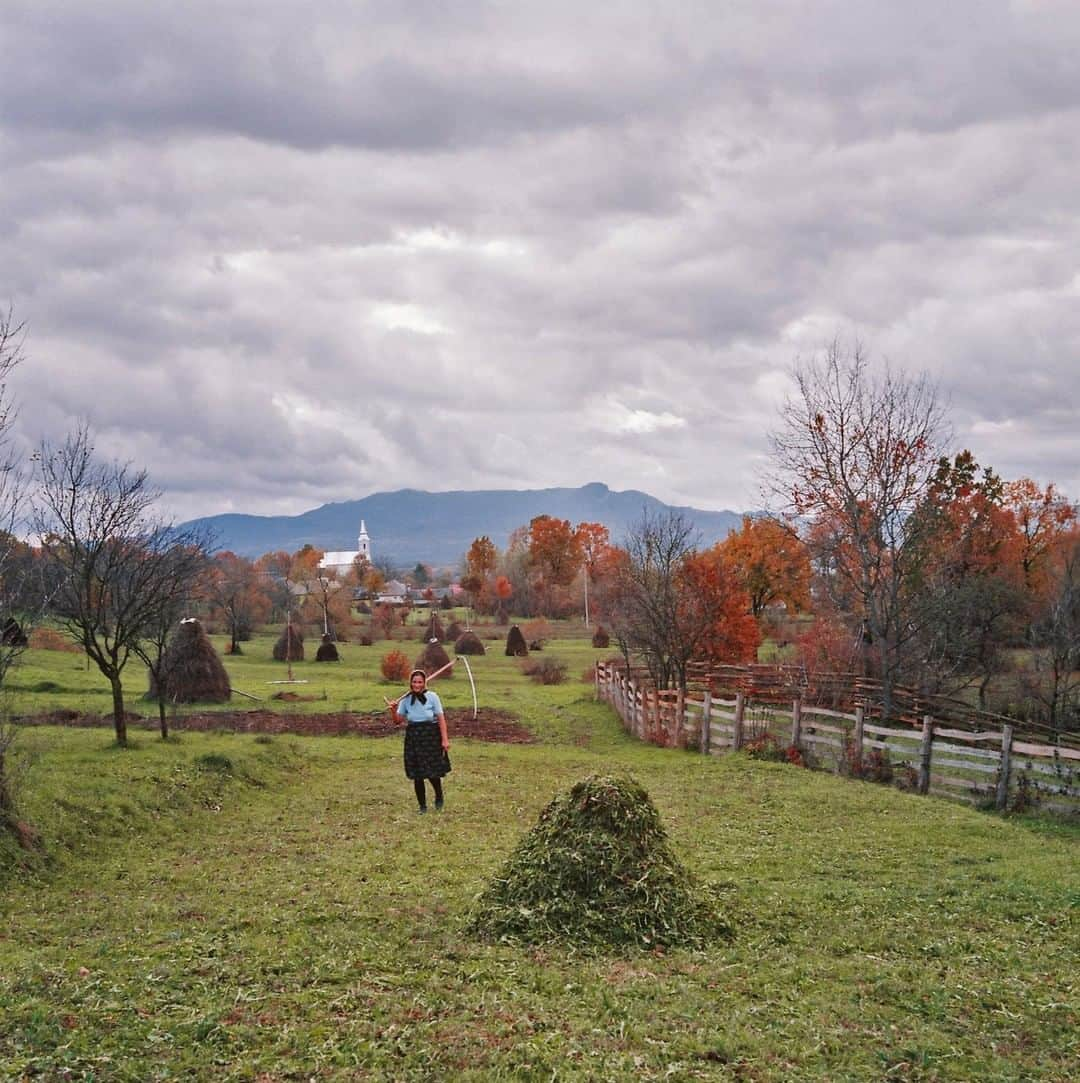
{"x":855,"y":453}
{"x":115,"y":561}
{"x":660,"y":610}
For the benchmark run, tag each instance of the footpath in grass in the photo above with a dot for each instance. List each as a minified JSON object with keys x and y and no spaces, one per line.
{"x":237,"y":907}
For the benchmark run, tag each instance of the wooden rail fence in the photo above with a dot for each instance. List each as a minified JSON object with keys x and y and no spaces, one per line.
{"x":983,"y":765}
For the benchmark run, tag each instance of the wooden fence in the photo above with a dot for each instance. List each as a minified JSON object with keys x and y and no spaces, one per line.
{"x":983,"y":765}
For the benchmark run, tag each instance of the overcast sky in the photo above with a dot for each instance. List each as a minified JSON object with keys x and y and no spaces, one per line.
{"x":282,"y":253}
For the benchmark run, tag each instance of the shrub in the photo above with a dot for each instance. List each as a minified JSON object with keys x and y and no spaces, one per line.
{"x":395,"y":666}
{"x":545,"y":671}
{"x":365,"y":641}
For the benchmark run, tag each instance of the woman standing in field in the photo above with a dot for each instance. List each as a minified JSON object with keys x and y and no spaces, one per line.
{"x":427,"y":745}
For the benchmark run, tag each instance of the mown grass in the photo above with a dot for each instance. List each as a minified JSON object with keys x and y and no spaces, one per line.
{"x":223,"y":908}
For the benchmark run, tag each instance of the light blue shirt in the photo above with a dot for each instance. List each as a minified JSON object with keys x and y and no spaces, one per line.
{"x":420,"y":712}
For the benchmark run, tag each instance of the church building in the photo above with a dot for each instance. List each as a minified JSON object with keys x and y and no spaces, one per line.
{"x":340,"y":562}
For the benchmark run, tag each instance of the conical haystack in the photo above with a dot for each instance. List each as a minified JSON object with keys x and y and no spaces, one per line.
{"x":468,"y":643}
{"x":516,"y":647}
{"x":600,"y":637}
{"x":327,"y":651}
{"x":191,"y":671}
{"x":453,"y":631}
{"x":290,"y":645}
{"x":597,"y":871}
{"x":433,"y":657}
{"x":434,"y":628}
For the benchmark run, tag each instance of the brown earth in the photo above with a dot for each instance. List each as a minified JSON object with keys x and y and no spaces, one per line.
{"x":489,"y":724}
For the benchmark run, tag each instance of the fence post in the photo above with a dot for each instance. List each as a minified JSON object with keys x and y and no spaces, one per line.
{"x":925,"y":752}
{"x":796,"y":723}
{"x":740,"y":714}
{"x":680,"y":718}
{"x":596,"y":679}
{"x":1006,"y":765}
{"x":858,"y":738}
{"x":706,"y":722}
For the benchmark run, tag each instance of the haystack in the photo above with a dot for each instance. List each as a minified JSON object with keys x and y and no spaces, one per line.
{"x":327,"y":651}
{"x":597,"y":871}
{"x":290,"y":645}
{"x":191,"y":671}
{"x":453,"y":632}
{"x":433,"y":657}
{"x":434,"y":628}
{"x":516,"y":647}
{"x":600,"y":637}
{"x":468,"y":643}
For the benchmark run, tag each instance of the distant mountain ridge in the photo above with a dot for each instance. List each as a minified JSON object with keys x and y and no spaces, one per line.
{"x":410,"y":525}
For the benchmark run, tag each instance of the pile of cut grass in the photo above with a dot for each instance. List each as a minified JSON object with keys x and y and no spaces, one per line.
{"x":598,"y":872}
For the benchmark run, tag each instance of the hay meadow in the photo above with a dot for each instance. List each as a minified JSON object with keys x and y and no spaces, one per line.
{"x":229,"y":906}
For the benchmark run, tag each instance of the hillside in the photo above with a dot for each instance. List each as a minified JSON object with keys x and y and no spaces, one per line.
{"x":411,"y":525}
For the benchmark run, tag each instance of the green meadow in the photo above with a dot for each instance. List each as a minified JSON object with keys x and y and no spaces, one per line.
{"x":228,"y":906}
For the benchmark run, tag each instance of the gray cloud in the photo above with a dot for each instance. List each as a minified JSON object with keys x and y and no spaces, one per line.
{"x":281,"y":255}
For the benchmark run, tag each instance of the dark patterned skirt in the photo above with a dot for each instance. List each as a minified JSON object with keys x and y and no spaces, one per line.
{"x":424,"y":753}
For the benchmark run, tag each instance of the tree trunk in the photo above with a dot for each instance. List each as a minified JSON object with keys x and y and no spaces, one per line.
{"x":119,"y":719}
{"x":163,"y":720}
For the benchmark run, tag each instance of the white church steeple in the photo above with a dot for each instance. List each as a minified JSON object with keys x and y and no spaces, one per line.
{"x":363,"y":542}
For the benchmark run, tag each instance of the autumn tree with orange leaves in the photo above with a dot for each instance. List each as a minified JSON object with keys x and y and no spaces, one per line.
{"x":772,"y":562}
{"x":555,"y":556}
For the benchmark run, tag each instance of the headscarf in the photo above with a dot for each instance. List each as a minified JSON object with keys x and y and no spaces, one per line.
{"x":415,"y":697}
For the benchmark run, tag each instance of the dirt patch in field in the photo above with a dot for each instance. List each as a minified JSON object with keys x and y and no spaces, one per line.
{"x":489,"y":725}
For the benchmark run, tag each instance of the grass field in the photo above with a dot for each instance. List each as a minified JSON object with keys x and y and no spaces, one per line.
{"x":226,"y":907}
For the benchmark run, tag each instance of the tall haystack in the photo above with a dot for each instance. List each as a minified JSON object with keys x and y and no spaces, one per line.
{"x":453,"y":632}
{"x":290,"y":645}
{"x":468,"y":643}
{"x":191,"y":671}
{"x":327,"y":651}
{"x":600,"y":637}
{"x":516,"y":647}
{"x":433,"y":657}
{"x":434,"y":629}
{"x":597,"y":871}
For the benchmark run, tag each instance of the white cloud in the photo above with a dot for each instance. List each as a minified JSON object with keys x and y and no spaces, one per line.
{"x":281,"y":261}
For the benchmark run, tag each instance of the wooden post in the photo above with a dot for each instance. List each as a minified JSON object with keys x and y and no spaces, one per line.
{"x":925,"y":752}
{"x":858,"y":739}
{"x":796,"y":724}
{"x":680,"y":718}
{"x":706,"y":722}
{"x":1006,"y":765}
{"x":596,"y":679}
{"x":740,"y":714}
